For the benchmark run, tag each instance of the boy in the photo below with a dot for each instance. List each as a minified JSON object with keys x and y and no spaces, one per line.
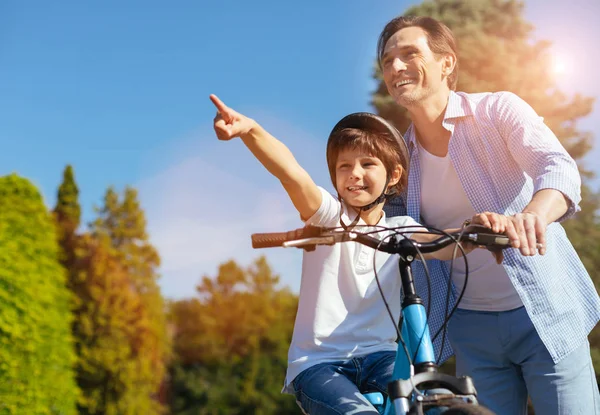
{"x":343,"y":343}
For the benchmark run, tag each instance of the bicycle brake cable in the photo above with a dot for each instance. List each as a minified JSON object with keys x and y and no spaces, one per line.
{"x":444,"y":326}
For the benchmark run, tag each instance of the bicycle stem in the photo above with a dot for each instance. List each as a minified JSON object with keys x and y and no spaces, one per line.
{"x":415,"y":329}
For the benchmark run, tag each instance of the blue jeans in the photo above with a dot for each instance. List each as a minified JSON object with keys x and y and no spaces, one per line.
{"x":337,"y":387}
{"x":507,"y":360}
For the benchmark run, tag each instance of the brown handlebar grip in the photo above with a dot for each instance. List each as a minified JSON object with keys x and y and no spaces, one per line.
{"x":269,"y":240}
{"x":273,"y":239}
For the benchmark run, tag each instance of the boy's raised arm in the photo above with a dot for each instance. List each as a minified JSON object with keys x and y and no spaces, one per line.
{"x":272,"y":154}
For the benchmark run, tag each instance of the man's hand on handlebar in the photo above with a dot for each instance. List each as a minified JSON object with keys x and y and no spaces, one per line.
{"x":497,"y":223}
{"x":529,"y":233}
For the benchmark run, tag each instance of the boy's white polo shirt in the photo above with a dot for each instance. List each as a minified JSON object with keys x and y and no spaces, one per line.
{"x":340,"y":311}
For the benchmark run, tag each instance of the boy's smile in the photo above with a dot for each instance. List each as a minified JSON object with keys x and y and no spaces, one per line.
{"x":356,"y":188}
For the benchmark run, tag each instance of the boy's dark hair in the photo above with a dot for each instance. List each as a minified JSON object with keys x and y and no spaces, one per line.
{"x":440,"y":39}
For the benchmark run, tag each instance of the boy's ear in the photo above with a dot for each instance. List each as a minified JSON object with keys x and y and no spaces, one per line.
{"x":396,"y":176}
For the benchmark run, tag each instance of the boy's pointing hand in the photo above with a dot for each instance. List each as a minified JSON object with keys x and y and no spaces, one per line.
{"x":229,"y":123}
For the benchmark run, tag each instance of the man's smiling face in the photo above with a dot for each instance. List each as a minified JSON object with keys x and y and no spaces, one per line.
{"x":411,"y":71}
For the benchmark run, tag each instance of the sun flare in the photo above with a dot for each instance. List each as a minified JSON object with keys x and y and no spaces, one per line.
{"x":559,"y":66}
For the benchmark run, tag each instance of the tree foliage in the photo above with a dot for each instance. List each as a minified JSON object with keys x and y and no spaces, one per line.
{"x":67,"y":210}
{"x":119,"y":325}
{"x":231,"y":344}
{"x":36,"y":350}
{"x":123,"y":222}
{"x":110,"y":329}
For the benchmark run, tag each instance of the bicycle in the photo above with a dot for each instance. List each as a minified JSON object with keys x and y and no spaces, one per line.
{"x":416,"y":387}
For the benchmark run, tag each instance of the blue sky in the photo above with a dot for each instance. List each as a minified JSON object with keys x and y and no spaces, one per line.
{"x":119,"y":89}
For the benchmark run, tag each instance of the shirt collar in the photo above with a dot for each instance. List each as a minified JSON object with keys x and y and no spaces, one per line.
{"x":458,"y":107}
{"x":351,"y":214}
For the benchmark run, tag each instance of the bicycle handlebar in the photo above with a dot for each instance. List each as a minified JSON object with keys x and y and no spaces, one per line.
{"x":310,"y":236}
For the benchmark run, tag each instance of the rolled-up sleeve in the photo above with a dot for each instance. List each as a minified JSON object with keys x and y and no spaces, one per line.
{"x":537,"y":150}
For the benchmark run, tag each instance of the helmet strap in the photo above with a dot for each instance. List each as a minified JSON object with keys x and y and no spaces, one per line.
{"x":382,"y":198}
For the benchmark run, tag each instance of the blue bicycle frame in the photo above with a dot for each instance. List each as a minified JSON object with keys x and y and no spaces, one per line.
{"x":417,"y":339}
{"x":416,"y":382}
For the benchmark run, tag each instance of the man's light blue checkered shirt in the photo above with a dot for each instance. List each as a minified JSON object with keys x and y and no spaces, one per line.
{"x":503,"y":153}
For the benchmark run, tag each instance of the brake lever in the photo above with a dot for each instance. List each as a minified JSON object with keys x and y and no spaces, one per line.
{"x":310,"y":243}
{"x":310,"y":233}
{"x":483,"y":236}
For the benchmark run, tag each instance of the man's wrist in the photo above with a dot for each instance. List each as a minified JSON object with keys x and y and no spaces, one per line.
{"x":536,"y":214}
{"x":548,"y":204}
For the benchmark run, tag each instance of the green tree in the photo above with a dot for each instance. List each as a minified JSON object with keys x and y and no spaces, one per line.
{"x":584,"y":233}
{"x":36,"y":350}
{"x":68,"y":210}
{"x":230,"y":344}
{"x":67,"y":214}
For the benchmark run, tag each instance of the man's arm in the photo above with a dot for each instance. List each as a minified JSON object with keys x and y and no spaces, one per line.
{"x":272,"y":154}
{"x":554,"y":173}
{"x":546,"y":206}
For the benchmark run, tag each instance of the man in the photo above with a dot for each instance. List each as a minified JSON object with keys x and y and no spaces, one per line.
{"x":521,"y":327}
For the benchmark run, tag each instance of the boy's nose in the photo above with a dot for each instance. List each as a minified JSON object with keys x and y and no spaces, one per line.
{"x":357,"y":172}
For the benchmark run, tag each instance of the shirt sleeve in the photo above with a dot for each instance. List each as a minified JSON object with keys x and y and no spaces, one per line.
{"x":537,"y":150}
{"x":328,"y":214}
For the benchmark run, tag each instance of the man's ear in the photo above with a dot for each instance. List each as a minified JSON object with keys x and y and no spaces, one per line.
{"x":448,"y":64}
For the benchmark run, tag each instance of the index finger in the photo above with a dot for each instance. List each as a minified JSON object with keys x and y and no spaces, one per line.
{"x":221,"y":107}
{"x":512,"y":233}
{"x":482,"y":219}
